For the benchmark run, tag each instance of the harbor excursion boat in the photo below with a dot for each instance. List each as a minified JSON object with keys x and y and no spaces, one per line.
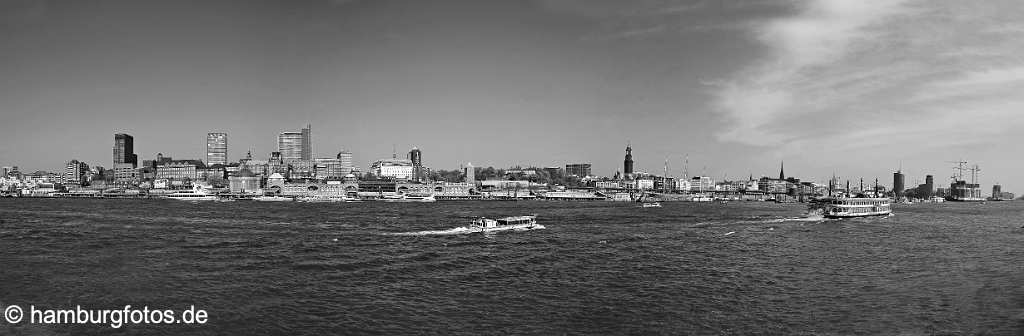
{"x":850,"y":207}
{"x":518,"y":223}
{"x":196,"y":194}
{"x":651,"y":205}
{"x":272,"y":199}
{"x":409,"y":198}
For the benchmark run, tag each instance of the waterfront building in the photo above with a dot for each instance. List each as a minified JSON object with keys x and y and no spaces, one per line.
{"x":244,"y":182}
{"x":6,"y":171}
{"x":179,"y":170}
{"x":773,"y":186}
{"x":929,"y":186}
{"x":276,"y":164}
{"x":702,"y":184}
{"x":470,"y":175}
{"x":332,"y":168}
{"x":578,"y":169}
{"x":643,"y":184}
{"x":627,"y":164}
{"x":345,"y":157}
{"x":76,"y":173}
{"x":301,"y":169}
{"x":208,"y":173}
{"x":683,"y":184}
{"x":276,"y":180}
{"x":216,"y":149}
{"x":399,"y":169}
{"x":897,"y":184}
{"x":997,"y":191}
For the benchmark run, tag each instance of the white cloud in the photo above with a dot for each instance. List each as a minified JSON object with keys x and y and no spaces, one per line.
{"x":857,"y":75}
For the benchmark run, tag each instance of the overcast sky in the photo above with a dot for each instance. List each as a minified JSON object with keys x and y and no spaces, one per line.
{"x":852,"y":87}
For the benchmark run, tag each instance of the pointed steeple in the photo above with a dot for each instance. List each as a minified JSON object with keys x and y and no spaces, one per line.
{"x":782,"y":170}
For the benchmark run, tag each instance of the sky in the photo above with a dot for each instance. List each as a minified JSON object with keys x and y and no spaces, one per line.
{"x":734,"y":88}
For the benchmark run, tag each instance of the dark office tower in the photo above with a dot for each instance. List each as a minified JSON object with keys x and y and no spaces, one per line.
{"x":897,"y":183}
{"x":782,"y":170}
{"x":627,"y":165}
{"x":216,"y":148}
{"x":307,"y":143}
{"x":416,"y":156}
{"x":124,"y":150}
{"x":997,"y":191}
{"x":929,"y":185}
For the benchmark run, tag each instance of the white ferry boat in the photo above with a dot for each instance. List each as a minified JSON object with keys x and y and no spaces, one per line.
{"x":196,"y":194}
{"x":518,"y":223}
{"x":410,"y":198}
{"x":651,"y":205}
{"x":272,"y":199}
{"x":572,"y":195}
{"x":849,"y":207}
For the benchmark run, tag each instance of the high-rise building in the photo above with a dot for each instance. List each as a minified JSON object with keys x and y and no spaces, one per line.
{"x":470,"y":175}
{"x":627,"y":164}
{"x":346,"y":159}
{"x":997,"y":191}
{"x":577,"y":169}
{"x":897,"y":183}
{"x":125,"y":159}
{"x":216,"y":149}
{"x":76,"y":173}
{"x":416,"y":156}
{"x":124,"y":149}
{"x":289,"y":144}
{"x":295,"y":145}
{"x":307,"y":143}
{"x":929,"y":185}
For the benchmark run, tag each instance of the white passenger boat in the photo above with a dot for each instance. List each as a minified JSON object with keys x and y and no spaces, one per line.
{"x":850,"y":207}
{"x":410,"y":197}
{"x":196,"y":194}
{"x":517,"y":223}
{"x":651,"y":205}
{"x":272,"y":199}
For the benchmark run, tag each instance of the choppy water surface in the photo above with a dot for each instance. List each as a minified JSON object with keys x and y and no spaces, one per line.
{"x":597,"y":268}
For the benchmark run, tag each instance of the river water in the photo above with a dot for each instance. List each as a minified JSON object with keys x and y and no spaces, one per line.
{"x":597,"y":268}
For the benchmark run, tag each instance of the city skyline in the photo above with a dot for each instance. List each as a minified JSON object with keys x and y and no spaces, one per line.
{"x":734,"y":86}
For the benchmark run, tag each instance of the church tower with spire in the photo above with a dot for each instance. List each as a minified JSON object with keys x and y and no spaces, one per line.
{"x":627,"y":164}
{"x":782,"y":170}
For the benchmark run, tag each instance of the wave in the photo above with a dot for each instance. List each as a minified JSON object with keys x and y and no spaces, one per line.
{"x":456,"y":231}
{"x":453,"y":231}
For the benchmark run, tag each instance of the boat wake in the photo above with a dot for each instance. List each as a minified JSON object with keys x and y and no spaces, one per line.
{"x":456,"y":231}
{"x":805,"y":219}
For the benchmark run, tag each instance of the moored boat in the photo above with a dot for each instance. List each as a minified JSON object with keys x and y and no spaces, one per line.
{"x":196,"y":194}
{"x":272,"y":199}
{"x":651,"y":205}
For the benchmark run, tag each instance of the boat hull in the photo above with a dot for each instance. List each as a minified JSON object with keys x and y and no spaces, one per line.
{"x":517,"y":227}
{"x":838,"y":216}
{"x":194,"y":199}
